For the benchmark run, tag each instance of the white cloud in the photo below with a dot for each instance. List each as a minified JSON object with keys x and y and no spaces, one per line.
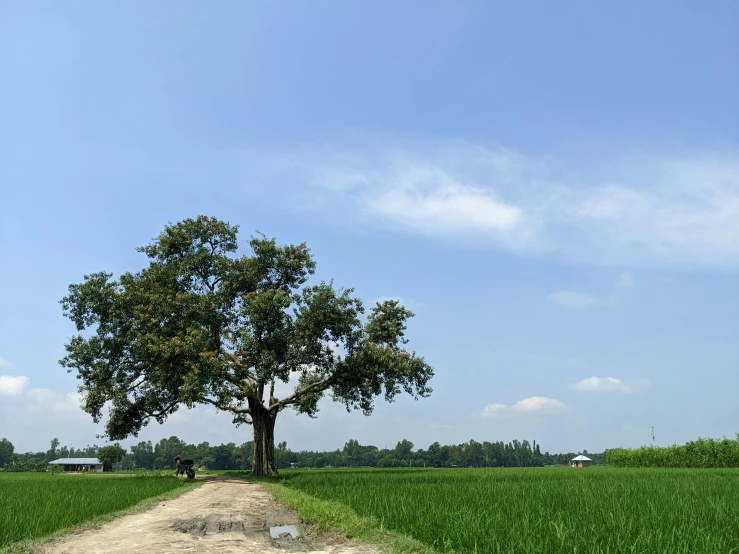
{"x":531,"y":405}
{"x":667,"y":211}
{"x":626,"y":280}
{"x":12,"y":386}
{"x":431,"y":197}
{"x":602,"y":384}
{"x":51,"y":401}
{"x":39,"y":399}
{"x":429,"y":200}
{"x":651,"y":210}
{"x":580,"y":300}
{"x":611,"y":203}
{"x":440,"y":426}
{"x":5,"y":364}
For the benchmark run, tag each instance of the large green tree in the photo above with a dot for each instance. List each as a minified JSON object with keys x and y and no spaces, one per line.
{"x":6,"y":451}
{"x":143,"y":455}
{"x":51,"y":454}
{"x":202,"y":325}
{"x":110,"y":455}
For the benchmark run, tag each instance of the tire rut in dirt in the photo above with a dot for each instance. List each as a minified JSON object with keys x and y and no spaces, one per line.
{"x":217,"y":524}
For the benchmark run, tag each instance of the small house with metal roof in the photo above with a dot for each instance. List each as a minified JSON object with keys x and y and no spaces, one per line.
{"x":581,"y":461}
{"x":78,"y":464}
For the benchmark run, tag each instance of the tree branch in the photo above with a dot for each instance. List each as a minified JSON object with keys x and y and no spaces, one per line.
{"x":235,"y":382}
{"x":136,"y":383}
{"x":317,"y":385}
{"x":250,"y":375}
{"x":223,"y":408}
{"x":157,"y":415}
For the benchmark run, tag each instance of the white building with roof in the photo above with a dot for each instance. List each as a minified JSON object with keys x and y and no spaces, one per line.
{"x":78,"y":464}
{"x":581,"y":461}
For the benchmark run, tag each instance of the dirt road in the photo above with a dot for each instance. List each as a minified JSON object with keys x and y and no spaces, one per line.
{"x":225,"y":515}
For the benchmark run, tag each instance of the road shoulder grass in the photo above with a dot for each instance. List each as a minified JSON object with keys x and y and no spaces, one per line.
{"x":329,"y":516}
{"x":33,"y":545}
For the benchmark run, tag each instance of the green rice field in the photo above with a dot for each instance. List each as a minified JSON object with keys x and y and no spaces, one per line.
{"x":33,"y":505}
{"x":543,"y":510}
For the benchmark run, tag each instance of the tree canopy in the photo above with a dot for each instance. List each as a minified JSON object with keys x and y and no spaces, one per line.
{"x":160,"y":455}
{"x":111,"y":455}
{"x":6,"y":451}
{"x":201,"y":325}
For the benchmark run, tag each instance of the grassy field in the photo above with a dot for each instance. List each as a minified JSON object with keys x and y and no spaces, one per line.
{"x":34,"y":505}
{"x":542,"y":510}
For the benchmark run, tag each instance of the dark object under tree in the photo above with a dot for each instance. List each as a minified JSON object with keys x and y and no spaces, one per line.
{"x":200,"y":325}
{"x":185,"y":467}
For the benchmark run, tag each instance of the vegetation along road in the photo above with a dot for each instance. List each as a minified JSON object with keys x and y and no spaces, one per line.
{"x":499,"y":510}
{"x":224,"y":515}
{"x":596,"y":510}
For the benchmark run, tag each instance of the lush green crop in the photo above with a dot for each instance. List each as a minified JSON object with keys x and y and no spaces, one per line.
{"x":36,"y":504}
{"x":703,"y":453}
{"x":543,"y":510}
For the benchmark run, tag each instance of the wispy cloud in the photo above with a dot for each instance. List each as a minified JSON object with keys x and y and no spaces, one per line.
{"x":531,"y":405}
{"x":580,"y":300}
{"x":54,"y":401}
{"x":440,"y":426}
{"x":433,"y":195}
{"x":646,"y":210}
{"x":5,"y":364}
{"x":38,"y":399}
{"x":626,"y":280}
{"x":429,"y":200}
{"x":609,"y":384}
{"x":12,"y":386}
{"x":610,"y":203}
{"x":602,"y":384}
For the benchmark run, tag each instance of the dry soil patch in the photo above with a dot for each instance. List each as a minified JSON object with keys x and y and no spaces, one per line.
{"x":225,"y":515}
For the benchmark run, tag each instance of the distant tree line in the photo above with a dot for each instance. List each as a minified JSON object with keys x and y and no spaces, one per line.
{"x":146,"y":455}
{"x":38,"y":461}
{"x":703,"y":453}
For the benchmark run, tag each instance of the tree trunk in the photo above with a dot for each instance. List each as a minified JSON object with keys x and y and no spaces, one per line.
{"x":264,"y":442}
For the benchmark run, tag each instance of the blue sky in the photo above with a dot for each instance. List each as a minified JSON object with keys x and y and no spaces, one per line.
{"x":553,"y":188}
